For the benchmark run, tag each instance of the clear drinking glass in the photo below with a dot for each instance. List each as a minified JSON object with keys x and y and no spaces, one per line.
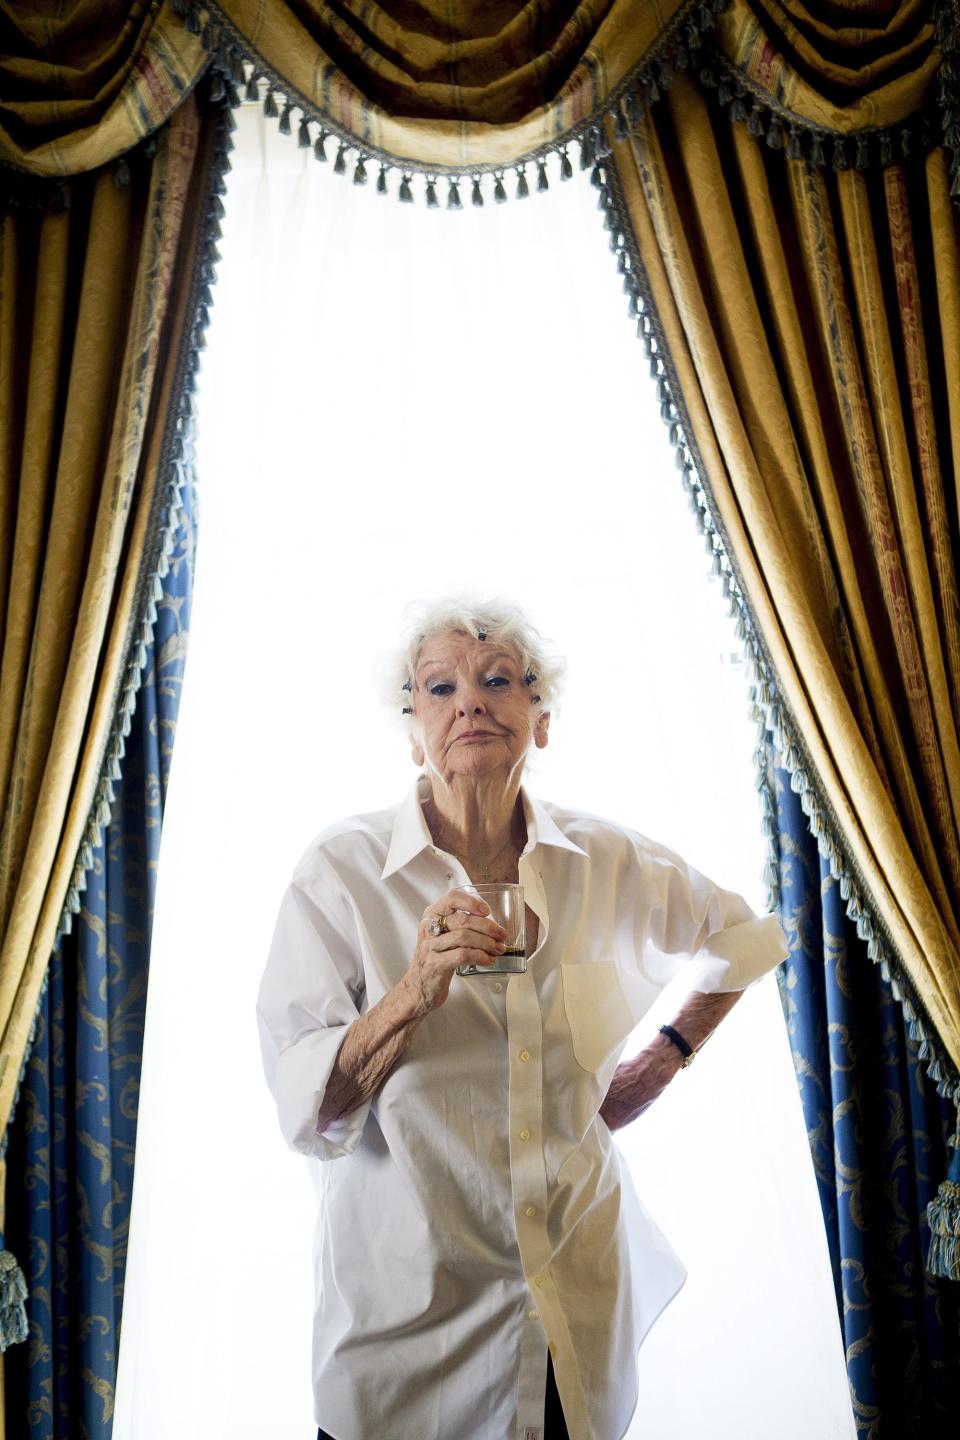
{"x":507,"y":908}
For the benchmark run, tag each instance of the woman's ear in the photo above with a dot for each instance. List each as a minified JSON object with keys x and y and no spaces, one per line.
{"x":416,"y":750}
{"x":541,"y":728}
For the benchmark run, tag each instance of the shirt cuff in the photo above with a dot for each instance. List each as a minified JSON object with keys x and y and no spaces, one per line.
{"x":738,"y":956}
{"x":300,"y":1080}
{"x":341,"y":1136}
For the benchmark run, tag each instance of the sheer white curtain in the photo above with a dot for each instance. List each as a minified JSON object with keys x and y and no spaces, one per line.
{"x":395,"y":403}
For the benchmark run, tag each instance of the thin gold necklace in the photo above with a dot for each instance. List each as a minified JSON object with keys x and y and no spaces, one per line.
{"x":513,"y":843}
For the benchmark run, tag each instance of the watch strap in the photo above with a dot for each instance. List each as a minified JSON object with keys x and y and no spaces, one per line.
{"x":686,"y":1050}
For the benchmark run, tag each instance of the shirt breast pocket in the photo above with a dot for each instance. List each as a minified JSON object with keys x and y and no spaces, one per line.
{"x":598,"y":1012}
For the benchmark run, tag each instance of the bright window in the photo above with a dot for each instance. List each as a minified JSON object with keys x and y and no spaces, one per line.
{"x":398,"y":402}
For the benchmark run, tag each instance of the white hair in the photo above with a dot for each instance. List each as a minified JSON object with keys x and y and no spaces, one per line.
{"x":492,"y":619}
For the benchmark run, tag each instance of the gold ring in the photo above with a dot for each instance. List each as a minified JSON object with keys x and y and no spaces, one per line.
{"x":438,"y":926}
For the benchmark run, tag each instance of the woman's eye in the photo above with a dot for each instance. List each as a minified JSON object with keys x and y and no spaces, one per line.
{"x":444,"y":687}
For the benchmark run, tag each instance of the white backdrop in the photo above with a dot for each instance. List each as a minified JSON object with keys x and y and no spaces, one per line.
{"x":394,"y":403}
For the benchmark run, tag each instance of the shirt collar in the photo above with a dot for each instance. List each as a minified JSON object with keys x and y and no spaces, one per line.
{"x":410,"y":834}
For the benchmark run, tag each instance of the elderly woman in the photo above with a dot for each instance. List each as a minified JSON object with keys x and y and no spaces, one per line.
{"x":484,"y":1268}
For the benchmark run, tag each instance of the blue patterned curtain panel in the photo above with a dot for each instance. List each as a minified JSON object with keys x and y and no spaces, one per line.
{"x":878,"y":1135}
{"x":73,"y":1137}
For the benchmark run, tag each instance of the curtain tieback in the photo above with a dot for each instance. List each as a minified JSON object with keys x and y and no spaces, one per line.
{"x":943,"y":1217}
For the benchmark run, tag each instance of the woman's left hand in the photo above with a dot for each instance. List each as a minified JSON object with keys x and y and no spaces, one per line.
{"x":638,"y":1082}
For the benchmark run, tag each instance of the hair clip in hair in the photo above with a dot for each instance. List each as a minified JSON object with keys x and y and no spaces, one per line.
{"x":406,"y":685}
{"x":406,"y":710}
{"x":529,"y":678}
{"x":481,"y":634}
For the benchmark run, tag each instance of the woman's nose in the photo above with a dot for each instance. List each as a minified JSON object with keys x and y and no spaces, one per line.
{"x":471,"y":703}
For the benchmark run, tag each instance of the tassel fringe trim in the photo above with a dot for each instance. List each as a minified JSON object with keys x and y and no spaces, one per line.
{"x":239,"y":74}
{"x":767,"y":707}
{"x":178,"y":465}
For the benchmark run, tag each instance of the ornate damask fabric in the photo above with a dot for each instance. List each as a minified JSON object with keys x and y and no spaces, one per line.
{"x":879,"y":1136}
{"x":73,"y":1139}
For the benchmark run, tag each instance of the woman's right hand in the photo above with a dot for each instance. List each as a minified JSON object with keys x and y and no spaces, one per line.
{"x":471,"y":938}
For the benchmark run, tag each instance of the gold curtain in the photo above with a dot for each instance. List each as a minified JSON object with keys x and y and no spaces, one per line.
{"x":98,"y":305}
{"x":812,"y":321}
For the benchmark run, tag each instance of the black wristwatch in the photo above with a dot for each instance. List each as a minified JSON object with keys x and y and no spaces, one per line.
{"x":686,"y":1051}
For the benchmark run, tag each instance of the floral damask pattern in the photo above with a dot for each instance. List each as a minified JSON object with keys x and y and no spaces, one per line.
{"x":73,"y":1137}
{"x":878,"y":1135}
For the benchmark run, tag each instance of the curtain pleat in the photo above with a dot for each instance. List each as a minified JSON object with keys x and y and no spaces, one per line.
{"x":946,"y":273}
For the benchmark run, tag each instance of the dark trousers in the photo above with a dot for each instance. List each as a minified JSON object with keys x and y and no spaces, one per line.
{"x":554,"y":1425}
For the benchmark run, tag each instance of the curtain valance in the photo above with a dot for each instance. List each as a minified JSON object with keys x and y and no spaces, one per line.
{"x":458,"y":89}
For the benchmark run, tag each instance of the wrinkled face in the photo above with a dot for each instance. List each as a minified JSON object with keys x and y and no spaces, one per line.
{"x":472,"y":710}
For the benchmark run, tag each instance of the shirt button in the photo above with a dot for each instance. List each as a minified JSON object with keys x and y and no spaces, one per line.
{"x":524,"y":1134}
{"x":524,"y":1056}
{"x":498,"y":987}
{"x":530,"y":1212}
{"x":533,"y":1314}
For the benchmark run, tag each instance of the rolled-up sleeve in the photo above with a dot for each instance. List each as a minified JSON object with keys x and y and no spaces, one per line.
{"x":311,"y":993}
{"x":687,"y":920}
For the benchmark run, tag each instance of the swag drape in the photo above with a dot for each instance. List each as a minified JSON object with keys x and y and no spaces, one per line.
{"x":780,"y":182}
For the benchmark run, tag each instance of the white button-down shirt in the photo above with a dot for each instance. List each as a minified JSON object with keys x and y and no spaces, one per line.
{"x":478,"y":1211}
